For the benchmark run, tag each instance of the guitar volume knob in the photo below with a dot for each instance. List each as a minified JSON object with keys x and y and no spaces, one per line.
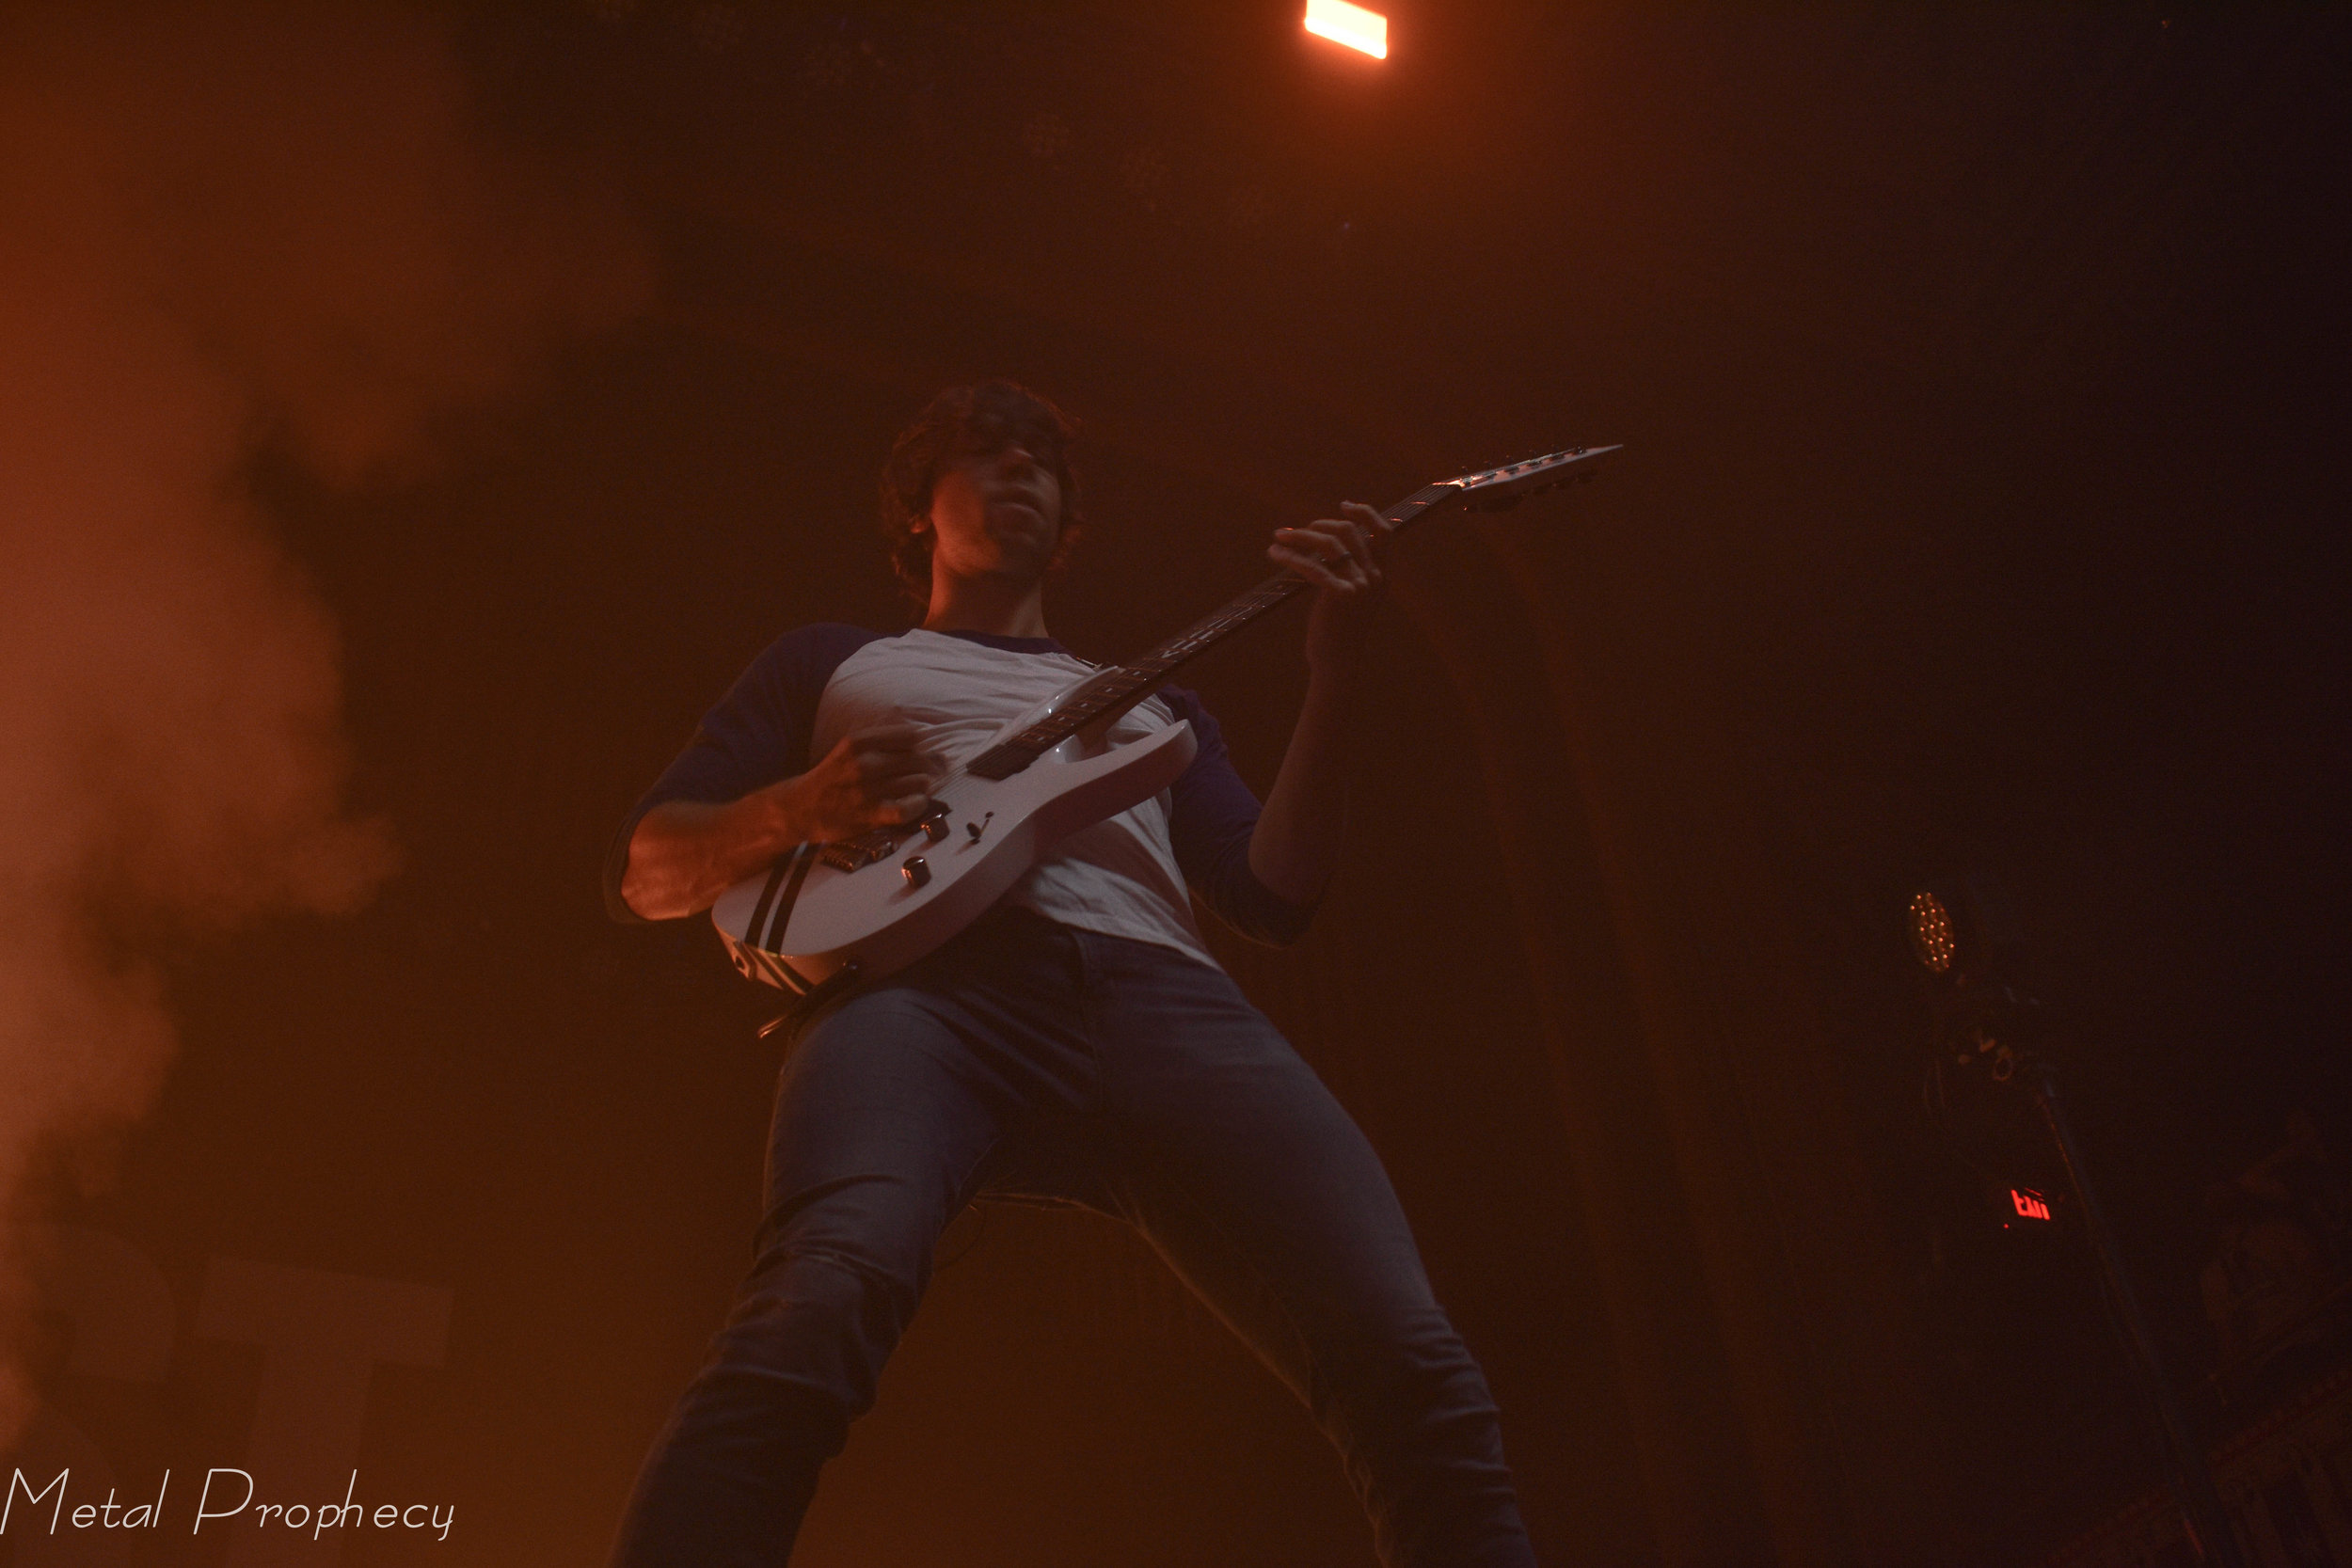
{"x":915,"y":871}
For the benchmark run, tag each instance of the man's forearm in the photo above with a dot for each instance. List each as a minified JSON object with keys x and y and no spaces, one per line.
{"x":685,"y":853}
{"x":1296,"y":843}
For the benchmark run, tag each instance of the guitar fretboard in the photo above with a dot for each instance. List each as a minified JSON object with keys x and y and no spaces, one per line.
{"x":1115,"y":691}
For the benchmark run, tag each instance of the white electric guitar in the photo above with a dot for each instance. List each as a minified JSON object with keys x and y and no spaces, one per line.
{"x":827,"y":915}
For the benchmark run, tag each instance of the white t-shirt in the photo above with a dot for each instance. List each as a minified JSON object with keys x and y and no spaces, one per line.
{"x":1118,"y":876}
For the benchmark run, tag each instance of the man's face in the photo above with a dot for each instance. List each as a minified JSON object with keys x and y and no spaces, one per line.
{"x":995,"y":511}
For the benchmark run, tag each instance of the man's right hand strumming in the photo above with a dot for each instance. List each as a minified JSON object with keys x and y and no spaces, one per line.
{"x":872,"y":777}
{"x":685,"y":853}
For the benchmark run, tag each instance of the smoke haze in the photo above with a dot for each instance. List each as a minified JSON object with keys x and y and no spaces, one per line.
{"x":219,"y":227}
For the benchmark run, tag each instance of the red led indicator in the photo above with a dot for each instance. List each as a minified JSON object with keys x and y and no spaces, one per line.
{"x":2029,"y":1203}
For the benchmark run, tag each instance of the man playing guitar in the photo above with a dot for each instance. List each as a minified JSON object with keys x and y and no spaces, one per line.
{"x":1077,"y":1043}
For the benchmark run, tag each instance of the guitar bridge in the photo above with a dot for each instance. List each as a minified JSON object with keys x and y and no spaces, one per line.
{"x":864,"y":849}
{"x":850,"y":854}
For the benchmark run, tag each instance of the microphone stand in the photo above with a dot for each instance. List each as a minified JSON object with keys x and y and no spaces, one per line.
{"x":1988,"y":1013}
{"x":2202,"y":1513}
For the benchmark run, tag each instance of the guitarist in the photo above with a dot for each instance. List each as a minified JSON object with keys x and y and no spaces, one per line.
{"x":1077,"y":1043}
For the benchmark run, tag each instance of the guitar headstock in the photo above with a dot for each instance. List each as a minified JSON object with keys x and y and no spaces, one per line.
{"x":1497,"y":489}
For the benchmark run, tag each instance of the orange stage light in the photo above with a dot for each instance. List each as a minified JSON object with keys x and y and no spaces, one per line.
{"x":1352,"y":25}
{"x":1931,"y":935}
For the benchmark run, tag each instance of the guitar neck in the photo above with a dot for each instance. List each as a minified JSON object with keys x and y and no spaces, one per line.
{"x":1163,"y":661}
{"x":1122,"y":686}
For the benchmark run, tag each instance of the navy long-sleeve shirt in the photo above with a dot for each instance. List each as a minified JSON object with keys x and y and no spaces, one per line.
{"x":1126,"y":876}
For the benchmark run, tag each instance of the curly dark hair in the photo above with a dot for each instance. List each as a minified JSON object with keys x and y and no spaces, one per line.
{"x":987,"y":414}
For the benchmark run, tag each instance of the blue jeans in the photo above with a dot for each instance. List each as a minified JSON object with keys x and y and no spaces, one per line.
{"x":1027,"y":1059}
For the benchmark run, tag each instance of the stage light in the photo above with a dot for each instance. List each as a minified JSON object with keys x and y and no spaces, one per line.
{"x":1352,"y":25}
{"x":1931,"y":936}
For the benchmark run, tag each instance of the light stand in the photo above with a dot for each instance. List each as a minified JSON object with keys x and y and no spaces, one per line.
{"x":1997,"y":1027}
